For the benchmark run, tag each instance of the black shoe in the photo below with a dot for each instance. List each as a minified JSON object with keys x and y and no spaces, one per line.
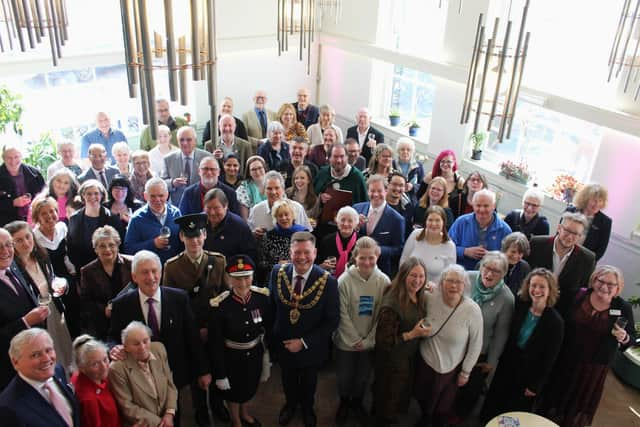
{"x":309,"y":419}
{"x":255,"y":423}
{"x":220,"y":411}
{"x":343,"y":412}
{"x":286,"y":415}
{"x":202,"y":419}
{"x":359,"y":411}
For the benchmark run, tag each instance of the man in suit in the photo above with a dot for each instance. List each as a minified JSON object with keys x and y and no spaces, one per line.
{"x":306,"y":113}
{"x":209,"y":171}
{"x":39,"y":396}
{"x":381,"y":222}
{"x":19,"y":183}
{"x":570,"y":262}
{"x":225,"y":108}
{"x":229,"y":142}
{"x":258,"y":119}
{"x":168,"y":313}
{"x":200,"y":273}
{"x":181,"y":167}
{"x":306,"y":314}
{"x":366,"y":135}
{"x":103,"y":134}
{"x":99,"y":169}
{"x":19,"y":308}
{"x":164,"y":118}
{"x":146,"y":225}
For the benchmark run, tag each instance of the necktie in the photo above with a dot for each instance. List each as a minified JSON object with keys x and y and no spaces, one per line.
{"x":17,"y":288}
{"x":298,"y":285}
{"x":187,"y":168}
{"x":152,"y":319}
{"x":58,"y":404}
{"x":263,"y":122}
{"x":372,"y":221}
{"x":103,"y":179}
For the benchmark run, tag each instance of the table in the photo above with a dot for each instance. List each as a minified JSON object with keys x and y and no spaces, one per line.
{"x":526,"y":419}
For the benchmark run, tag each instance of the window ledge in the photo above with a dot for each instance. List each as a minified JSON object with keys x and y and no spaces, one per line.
{"x":402,"y":131}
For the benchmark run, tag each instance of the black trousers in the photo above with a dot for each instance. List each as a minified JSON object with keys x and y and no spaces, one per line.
{"x":299,"y":384}
{"x":199,"y":397}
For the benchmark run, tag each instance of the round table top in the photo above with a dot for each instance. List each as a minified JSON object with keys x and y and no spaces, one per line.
{"x":526,"y":419}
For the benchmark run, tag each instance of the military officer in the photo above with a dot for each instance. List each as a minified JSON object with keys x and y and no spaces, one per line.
{"x":200,"y":273}
{"x":306,"y":313}
{"x":239,"y":322}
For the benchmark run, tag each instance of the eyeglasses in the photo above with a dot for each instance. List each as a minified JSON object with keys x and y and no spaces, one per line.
{"x":446,"y":162}
{"x":453,"y":281}
{"x":7,"y":245}
{"x":571,"y":232}
{"x":492,"y":270}
{"x":209,"y":169}
{"x":531,"y":205}
{"x":256,"y":169}
{"x":609,"y":285}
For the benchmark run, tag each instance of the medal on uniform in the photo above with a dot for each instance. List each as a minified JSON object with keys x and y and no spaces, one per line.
{"x":196,"y":289}
{"x":294,"y":316}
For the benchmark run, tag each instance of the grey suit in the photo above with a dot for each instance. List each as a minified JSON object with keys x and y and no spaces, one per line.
{"x":109,"y":172}
{"x":254,"y":130}
{"x":173,"y":168}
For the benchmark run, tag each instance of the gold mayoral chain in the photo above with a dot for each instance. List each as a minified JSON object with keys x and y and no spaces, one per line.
{"x":294,"y":303}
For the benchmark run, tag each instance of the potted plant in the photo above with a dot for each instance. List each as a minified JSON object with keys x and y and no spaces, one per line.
{"x":477,"y":141}
{"x":515,"y":172}
{"x":413,"y":127}
{"x":10,"y":111}
{"x":564,"y":187}
{"x":394,"y":117}
{"x":41,"y":153}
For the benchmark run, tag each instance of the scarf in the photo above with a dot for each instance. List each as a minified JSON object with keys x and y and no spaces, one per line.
{"x":343,"y":254}
{"x":481,"y":295}
{"x":255,"y":196}
{"x":287,"y":232}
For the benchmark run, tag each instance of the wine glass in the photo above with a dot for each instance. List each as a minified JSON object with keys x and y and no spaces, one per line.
{"x":165,"y":233}
{"x":58,"y":284}
{"x":44,"y":300}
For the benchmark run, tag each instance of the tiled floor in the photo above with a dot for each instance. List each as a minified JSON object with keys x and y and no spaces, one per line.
{"x":613,"y":411}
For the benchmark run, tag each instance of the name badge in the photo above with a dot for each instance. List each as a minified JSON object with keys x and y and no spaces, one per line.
{"x":614,"y":312}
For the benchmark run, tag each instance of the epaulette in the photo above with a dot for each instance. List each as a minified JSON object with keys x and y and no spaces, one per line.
{"x":218,"y":254}
{"x":215,"y":302}
{"x":258,"y":289}
{"x":173,"y":259}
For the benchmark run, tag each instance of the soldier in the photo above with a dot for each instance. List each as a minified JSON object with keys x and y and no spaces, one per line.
{"x":200,"y":273}
{"x":240,"y":319}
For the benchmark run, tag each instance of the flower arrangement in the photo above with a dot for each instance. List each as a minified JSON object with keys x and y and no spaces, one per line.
{"x":564,"y":187}
{"x":516,"y":172}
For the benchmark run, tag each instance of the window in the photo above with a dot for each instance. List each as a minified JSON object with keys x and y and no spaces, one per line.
{"x":412,"y":95}
{"x":551,"y":143}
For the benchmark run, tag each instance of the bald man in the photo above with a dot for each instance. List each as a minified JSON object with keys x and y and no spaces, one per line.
{"x":306,"y":113}
{"x":103,"y":134}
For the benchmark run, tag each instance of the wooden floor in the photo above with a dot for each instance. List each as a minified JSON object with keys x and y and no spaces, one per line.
{"x":613,"y":410}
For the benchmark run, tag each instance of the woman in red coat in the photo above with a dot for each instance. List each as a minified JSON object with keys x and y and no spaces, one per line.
{"x":97,"y":405}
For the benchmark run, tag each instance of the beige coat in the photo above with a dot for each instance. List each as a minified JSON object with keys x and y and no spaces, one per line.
{"x":136,"y":399}
{"x":254,"y":131}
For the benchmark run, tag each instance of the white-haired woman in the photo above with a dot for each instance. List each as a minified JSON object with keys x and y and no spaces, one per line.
{"x":325,"y":121}
{"x":121,"y":153}
{"x":164,"y":147}
{"x":406,"y":163}
{"x":275,"y":150}
{"x":334,"y":250}
{"x":528,"y":219}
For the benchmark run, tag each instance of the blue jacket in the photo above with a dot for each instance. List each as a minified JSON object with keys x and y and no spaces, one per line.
{"x":464,"y":233}
{"x":144,"y":227}
{"x":389,"y":233}
{"x":272,"y":157}
{"x":315,"y":325}
{"x":190,"y":202}
{"x":233,"y":236}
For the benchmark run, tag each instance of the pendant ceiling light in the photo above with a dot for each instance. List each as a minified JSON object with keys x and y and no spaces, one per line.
{"x":301,"y":18}
{"x":29,"y":21}
{"x":495,"y":75}
{"x":176,"y":37}
{"x":627,"y":37}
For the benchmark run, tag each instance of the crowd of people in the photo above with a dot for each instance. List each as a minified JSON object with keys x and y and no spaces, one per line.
{"x":170,"y":270}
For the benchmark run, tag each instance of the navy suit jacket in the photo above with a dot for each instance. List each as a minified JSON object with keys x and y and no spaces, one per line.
{"x":12,"y":308}
{"x":352,"y":132}
{"x":316,"y":324}
{"x":109,"y":173}
{"x":21,"y":405}
{"x":190,"y":200}
{"x":312,"y":114}
{"x":389,"y":233}
{"x":178,"y":331}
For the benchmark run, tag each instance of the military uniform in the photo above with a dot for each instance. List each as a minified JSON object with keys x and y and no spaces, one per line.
{"x":237,"y":328}
{"x":202,"y":279}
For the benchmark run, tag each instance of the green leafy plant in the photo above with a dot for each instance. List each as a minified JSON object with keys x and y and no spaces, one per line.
{"x":10,"y":110}
{"x":394,"y":113}
{"x":477,"y":139}
{"x":412,"y":124}
{"x":41,"y":153}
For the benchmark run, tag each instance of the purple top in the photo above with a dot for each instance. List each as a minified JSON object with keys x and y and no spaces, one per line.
{"x":21,"y":188}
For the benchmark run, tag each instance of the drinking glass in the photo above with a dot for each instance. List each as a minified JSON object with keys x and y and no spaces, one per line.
{"x":44,"y":300}
{"x":58,"y":284}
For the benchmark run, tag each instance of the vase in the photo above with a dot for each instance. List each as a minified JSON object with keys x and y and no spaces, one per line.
{"x":476,"y":154}
{"x":394,"y":120}
{"x":413,"y":131}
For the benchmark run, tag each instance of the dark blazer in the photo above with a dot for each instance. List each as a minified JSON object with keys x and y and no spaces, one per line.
{"x":109,"y":173}
{"x":21,"y":405}
{"x":191,"y":202}
{"x":33,"y":181}
{"x":538,"y":226}
{"x":47,"y":268}
{"x":241,"y":131}
{"x":80,"y":251}
{"x":178,"y":331}
{"x":233,"y":236}
{"x":389,"y":233}
{"x":352,"y":132}
{"x":12,"y":308}
{"x":316,"y":324}
{"x":308,"y":116}
{"x":97,"y":289}
{"x":574,"y":275}
{"x":599,"y":233}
